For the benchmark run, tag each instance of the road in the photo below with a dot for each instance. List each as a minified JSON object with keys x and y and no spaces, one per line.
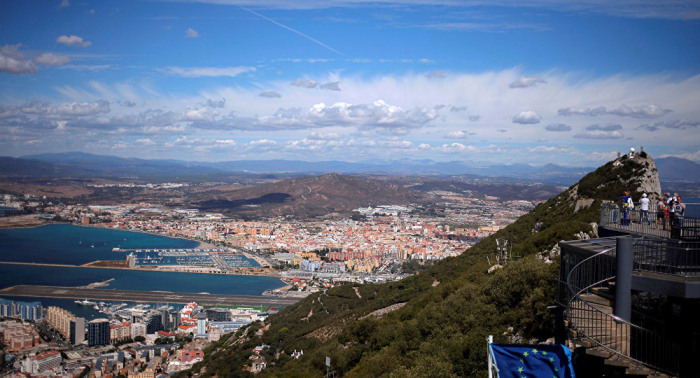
{"x":145,"y":296}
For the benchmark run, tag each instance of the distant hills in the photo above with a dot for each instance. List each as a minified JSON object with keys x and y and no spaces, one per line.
{"x":311,"y":196}
{"x":113,"y":166}
{"x":79,"y":164}
{"x":677,"y":169}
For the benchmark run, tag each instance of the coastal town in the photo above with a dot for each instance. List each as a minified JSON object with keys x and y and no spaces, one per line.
{"x":376,"y":244}
{"x":376,"y":238}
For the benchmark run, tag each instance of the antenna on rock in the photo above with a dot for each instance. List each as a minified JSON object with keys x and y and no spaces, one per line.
{"x":618,"y":154}
{"x":631,"y":152}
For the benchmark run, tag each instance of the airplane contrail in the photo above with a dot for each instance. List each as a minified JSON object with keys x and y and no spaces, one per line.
{"x":293,"y":30}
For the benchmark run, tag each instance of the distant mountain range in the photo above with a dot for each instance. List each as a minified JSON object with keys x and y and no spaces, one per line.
{"x":79,"y":164}
{"x":677,"y":169}
{"x":310,"y":196}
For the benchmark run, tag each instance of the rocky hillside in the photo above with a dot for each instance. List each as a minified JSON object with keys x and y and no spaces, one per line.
{"x":311,"y":196}
{"x":435,"y":324}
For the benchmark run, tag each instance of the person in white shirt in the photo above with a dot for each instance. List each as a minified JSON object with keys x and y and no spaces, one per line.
{"x":644,"y":207}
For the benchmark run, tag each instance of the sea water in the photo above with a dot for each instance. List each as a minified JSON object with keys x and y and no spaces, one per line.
{"x":66,"y":244}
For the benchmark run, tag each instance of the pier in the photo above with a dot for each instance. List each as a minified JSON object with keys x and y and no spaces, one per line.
{"x":145,"y":296}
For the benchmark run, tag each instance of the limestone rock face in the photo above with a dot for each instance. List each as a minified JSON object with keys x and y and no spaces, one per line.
{"x":650,"y":183}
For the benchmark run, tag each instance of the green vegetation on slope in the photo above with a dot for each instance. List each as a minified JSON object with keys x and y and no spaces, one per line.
{"x":448,"y":310}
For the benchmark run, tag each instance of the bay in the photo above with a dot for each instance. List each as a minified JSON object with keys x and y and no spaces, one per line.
{"x":67,"y":244}
{"x":75,"y":245}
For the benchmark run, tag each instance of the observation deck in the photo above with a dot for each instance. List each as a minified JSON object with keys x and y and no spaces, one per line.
{"x":632,"y":297}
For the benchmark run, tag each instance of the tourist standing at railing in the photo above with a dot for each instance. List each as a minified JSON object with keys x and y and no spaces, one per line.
{"x":644,"y":207}
{"x":661,"y":213}
{"x":626,"y":206}
{"x":669,"y":205}
{"x":678,"y":212}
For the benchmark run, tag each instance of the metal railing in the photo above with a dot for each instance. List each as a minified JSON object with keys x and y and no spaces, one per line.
{"x":592,"y":318}
{"x":672,"y":257}
{"x":613,"y":216}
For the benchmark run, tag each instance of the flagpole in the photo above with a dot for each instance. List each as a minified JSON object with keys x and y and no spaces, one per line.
{"x":488,"y":353}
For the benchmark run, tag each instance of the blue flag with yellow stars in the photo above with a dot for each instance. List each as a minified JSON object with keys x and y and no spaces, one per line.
{"x":528,"y":361}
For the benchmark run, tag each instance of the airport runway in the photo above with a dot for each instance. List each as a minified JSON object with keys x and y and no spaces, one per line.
{"x":144,"y":296}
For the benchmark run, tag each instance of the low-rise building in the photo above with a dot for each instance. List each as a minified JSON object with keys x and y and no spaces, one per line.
{"x":20,"y":337}
{"x":42,"y":362}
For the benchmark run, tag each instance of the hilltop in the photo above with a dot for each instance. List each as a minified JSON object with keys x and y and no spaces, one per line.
{"x":311,"y":196}
{"x":435,"y":323}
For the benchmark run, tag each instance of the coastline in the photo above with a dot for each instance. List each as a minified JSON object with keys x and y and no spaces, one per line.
{"x":88,"y":265}
{"x":38,"y":222}
{"x":201,"y":245}
{"x":264,"y":265}
{"x":33,"y":221}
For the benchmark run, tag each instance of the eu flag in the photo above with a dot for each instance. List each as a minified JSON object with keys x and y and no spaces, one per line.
{"x":540,"y":361}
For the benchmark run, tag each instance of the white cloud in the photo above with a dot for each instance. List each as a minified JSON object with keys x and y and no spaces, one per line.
{"x":379,"y":114}
{"x":525,"y":82}
{"x":49,"y":59}
{"x":571,"y":111}
{"x":331,"y":86}
{"x":598,"y":134}
{"x":270,"y":94}
{"x":193,"y":114}
{"x":263,"y":143}
{"x":553,"y":149}
{"x":145,"y":142}
{"x":215,"y":104}
{"x":304,"y":83}
{"x":64,"y":4}
{"x":73,"y":40}
{"x":457,"y":135}
{"x":191,"y":33}
{"x":608,"y":127}
{"x":14,"y":61}
{"x":527,"y":118}
{"x":455,"y":148}
{"x":83,"y":108}
{"x":557,"y":127}
{"x":679,"y":124}
{"x":321,"y":136}
{"x":646,"y":111}
{"x":207,"y":71}
{"x":35,"y":107}
{"x":8,"y":112}
{"x":400,"y":144}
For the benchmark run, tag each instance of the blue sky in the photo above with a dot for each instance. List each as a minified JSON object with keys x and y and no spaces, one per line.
{"x":497,"y":81}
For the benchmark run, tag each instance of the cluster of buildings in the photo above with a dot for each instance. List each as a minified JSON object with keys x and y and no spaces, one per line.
{"x":151,"y":341}
{"x":18,"y":336}
{"x":386,"y":233}
{"x":22,"y":310}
